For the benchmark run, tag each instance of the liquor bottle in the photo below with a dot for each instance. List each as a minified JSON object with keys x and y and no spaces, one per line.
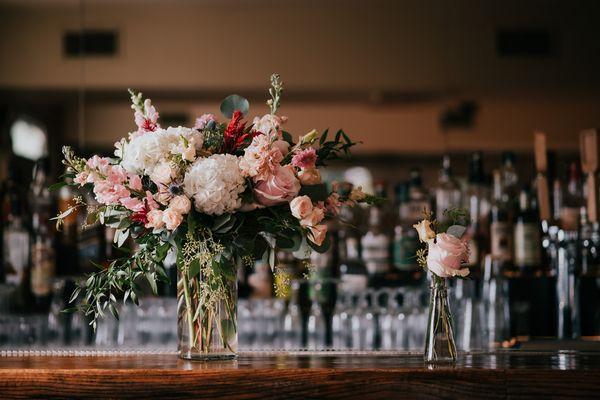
{"x":405,"y":243}
{"x":375,"y":246}
{"x":16,"y":243}
{"x":501,"y":235}
{"x":42,"y":254}
{"x":447,"y":192}
{"x":573,"y":200}
{"x":527,"y":240}
{"x":590,"y":275}
{"x":557,"y":199}
{"x":477,"y":204}
{"x":418,"y":201}
{"x":353,"y":272}
{"x":509,"y":181}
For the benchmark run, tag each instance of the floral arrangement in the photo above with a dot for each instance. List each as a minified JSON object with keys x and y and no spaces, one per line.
{"x":218,"y":194}
{"x":445,"y":256}
{"x":446,"y":252}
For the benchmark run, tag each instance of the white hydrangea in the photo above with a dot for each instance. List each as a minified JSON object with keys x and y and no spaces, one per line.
{"x":144,"y":152}
{"x":215,"y":184}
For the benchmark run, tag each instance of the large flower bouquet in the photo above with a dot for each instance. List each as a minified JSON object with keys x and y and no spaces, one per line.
{"x":218,"y":194}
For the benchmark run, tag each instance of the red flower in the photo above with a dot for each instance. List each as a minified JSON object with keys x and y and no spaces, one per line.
{"x":234,"y":136}
{"x":140,"y":216}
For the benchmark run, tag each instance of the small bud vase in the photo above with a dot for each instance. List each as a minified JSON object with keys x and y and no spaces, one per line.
{"x":439,"y":341}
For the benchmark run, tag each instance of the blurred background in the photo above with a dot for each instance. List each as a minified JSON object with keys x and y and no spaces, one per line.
{"x":444,"y":95}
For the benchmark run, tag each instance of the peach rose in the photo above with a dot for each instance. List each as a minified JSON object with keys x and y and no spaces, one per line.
{"x":163,"y":173}
{"x":172,"y":219}
{"x":424,"y":230}
{"x":155,"y":219}
{"x":181,"y":204}
{"x":301,"y":207}
{"x":446,"y":255}
{"x":280,"y":187}
{"x":318,"y":234}
{"x":317,"y":215}
{"x":309,"y":176}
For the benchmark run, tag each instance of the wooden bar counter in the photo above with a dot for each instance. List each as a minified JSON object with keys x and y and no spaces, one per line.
{"x":303,"y":375}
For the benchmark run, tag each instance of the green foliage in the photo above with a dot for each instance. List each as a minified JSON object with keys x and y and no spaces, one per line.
{"x":337,"y":148}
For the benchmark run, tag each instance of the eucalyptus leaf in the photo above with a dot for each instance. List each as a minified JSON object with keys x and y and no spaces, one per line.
{"x":456,"y":231}
{"x":234,"y":103}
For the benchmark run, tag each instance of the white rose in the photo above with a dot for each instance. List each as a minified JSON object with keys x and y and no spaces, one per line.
{"x":301,"y":207}
{"x":163,"y":173}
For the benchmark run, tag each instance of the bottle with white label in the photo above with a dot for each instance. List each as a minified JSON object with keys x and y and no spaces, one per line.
{"x":376,"y":246}
{"x":501,"y":235}
{"x":527,"y":240}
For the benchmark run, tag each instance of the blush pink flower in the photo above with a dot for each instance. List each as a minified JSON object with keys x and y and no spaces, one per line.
{"x":135,"y":182}
{"x":172,"y":219}
{"x":280,"y":187}
{"x":150,"y":202}
{"x":115,"y":175}
{"x":318,"y":233}
{"x":446,"y":255}
{"x":309,"y":176}
{"x":97,"y":162}
{"x":301,"y":207}
{"x":204,"y":120}
{"x":261,"y":158}
{"x":82,"y":178}
{"x":132,"y":203}
{"x":147,"y":121}
{"x":155,"y":219}
{"x":304,"y":159}
{"x":109,"y":194}
{"x":333,"y":203}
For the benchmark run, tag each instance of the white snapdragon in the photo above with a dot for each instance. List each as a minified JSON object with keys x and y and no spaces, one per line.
{"x":215,"y":183}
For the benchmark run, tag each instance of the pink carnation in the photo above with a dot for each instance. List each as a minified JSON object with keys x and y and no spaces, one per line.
{"x":305,"y":159}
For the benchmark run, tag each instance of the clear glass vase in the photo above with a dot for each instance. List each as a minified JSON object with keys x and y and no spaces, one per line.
{"x":207,"y":315}
{"x":439,"y":341}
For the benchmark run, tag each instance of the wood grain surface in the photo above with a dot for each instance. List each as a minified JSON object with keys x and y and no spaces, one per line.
{"x":510,"y":374}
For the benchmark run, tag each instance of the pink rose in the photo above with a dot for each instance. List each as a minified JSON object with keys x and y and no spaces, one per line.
{"x":305,"y":158}
{"x":132,"y":203}
{"x":317,"y":215}
{"x":163,"y":173}
{"x":181,"y":204}
{"x":446,"y":255}
{"x":155,"y":219}
{"x":282,"y":146}
{"x":301,"y":207}
{"x":172,"y":219}
{"x":310,"y":176}
{"x":280,"y":187}
{"x":318,"y":234}
{"x":135,"y":182}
